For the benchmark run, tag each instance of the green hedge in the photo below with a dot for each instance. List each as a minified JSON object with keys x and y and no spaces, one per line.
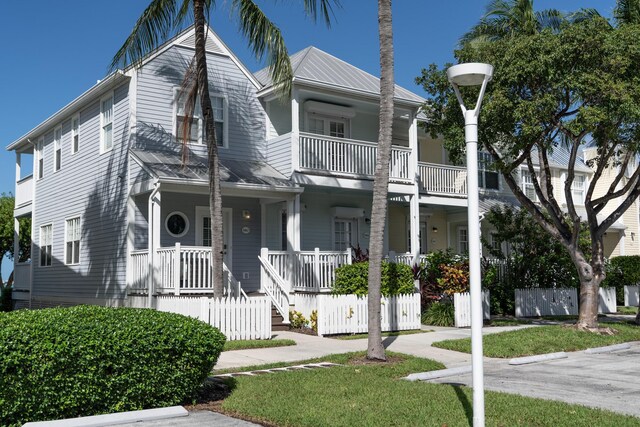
{"x":622,"y":271}
{"x":353,"y":279}
{"x":87,"y":360}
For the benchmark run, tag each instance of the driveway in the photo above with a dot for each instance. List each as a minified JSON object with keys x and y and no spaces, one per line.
{"x":607,"y":381}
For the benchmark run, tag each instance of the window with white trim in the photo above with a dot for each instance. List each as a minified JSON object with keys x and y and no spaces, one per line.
{"x":527,"y":185}
{"x":72,"y":241}
{"x":196,"y":132}
{"x":577,"y":189}
{"x":57,"y":148}
{"x":40,"y":158}
{"x":345,"y":234}
{"x":75,"y":134}
{"x":463,"y":240}
{"x":106,"y":124}
{"x":325,"y":125}
{"x":46,"y":240}
{"x":487,"y":178}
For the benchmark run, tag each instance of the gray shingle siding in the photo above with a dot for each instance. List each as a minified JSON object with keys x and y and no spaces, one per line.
{"x":93,"y":186}
{"x":279,"y":154}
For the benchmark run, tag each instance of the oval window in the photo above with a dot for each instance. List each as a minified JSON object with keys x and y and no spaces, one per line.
{"x":177,"y":224}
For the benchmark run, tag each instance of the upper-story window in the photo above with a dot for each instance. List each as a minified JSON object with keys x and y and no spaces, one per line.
{"x":487,"y":178}
{"x":106,"y":124}
{"x":72,"y":241}
{"x":46,"y":240}
{"x":196,"y":133}
{"x":527,"y":186}
{"x":75,"y":134}
{"x":325,"y":125}
{"x":577,"y":189}
{"x":57,"y":148}
{"x":40,"y":158}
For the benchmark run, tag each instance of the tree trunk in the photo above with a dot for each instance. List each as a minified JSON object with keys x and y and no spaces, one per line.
{"x":375,"y":349}
{"x":215,"y":198}
{"x":591,"y":275}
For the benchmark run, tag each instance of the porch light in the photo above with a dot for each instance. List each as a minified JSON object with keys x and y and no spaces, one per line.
{"x":246,"y":214}
{"x":473,"y":74}
{"x":434,"y":229}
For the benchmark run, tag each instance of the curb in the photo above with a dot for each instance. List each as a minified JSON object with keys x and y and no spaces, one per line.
{"x":608,"y":349}
{"x":538,"y":358}
{"x":442,"y":373}
{"x":114,"y":419}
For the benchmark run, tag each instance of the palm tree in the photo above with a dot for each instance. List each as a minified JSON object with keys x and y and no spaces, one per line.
{"x":163,"y":18}
{"x":627,"y":12}
{"x":507,"y":18}
{"x":375,"y":349}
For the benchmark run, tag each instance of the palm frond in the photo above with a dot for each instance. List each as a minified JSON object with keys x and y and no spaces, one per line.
{"x":627,"y":12}
{"x":265,"y":39}
{"x":583,"y":14}
{"x":324,"y":7}
{"x":153,"y":28}
{"x":550,"y":19}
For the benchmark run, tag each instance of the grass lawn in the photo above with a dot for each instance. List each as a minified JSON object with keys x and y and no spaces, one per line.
{"x":544,"y":339}
{"x":627,"y":310}
{"x":247,"y":344}
{"x":384,"y":334}
{"x":360,"y":394}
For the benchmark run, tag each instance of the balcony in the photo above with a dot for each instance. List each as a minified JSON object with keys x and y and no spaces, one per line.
{"x":349,"y":158}
{"x":24,"y":191}
{"x":442,"y":180}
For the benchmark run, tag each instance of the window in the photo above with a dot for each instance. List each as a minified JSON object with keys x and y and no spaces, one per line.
{"x":72,"y":241}
{"x":283,"y":230}
{"x":324,"y":125}
{"x":40,"y":158}
{"x":527,"y":186}
{"x":495,"y":242}
{"x":487,"y":178}
{"x":75,"y":135}
{"x":106,"y":124}
{"x":196,"y":133}
{"x":206,"y":231}
{"x":345,"y":234}
{"x":463,"y":240}
{"x":177,"y":224}
{"x":57,"y":150}
{"x":577,"y":189}
{"x":46,"y":238}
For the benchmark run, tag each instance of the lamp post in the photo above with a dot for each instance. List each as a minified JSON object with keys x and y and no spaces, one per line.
{"x":473,"y":74}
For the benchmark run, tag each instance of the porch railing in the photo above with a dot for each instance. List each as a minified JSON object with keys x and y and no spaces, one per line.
{"x":405,"y":258}
{"x":24,"y":191}
{"x":180,"y":270}
{"x":442,"y":179}
{"x":350,"y":157}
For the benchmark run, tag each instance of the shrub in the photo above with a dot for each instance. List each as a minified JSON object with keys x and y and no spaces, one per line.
{"x":622,"y":271}
{"x":442,"y":271}
{"x":5,"y":298}
{"x":353,"y":279}
{"x":87,"y":360}
{"x":439,"y":313}
{"x":297,"y":320}
{"x":314,"y":320}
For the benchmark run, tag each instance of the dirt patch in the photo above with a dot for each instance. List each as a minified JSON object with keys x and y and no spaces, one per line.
{"x":362,"y":360}
{"x":305,"y":331}
{"x":598,"y":331}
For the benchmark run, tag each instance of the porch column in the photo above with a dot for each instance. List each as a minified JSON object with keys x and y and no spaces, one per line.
{"x":295,"y":130}
{"x":16,"y":244}
{"x":153,"y":231}
{"x":414,"y":204}
{"x":293,"y":238}
{"x":131,"y":230}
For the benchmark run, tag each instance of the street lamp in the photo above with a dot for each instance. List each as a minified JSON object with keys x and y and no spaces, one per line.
{"x":473,"y":74}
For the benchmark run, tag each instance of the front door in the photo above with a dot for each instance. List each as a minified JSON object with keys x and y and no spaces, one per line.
{"x":203,"y":231}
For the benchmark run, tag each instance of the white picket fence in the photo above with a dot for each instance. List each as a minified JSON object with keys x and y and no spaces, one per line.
{"x":632,"y":296}
{"x":546,"y":302}
{"x":462,"y":308}
{"x":236,"y":318}
{"x":607,"y":300}
{"x":348,"y":314}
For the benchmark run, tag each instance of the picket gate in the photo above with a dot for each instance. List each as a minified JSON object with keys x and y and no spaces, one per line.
{"x":462,"y":308}
{"x":632,"y":296}
{"x":607,"y":300}
{"x":536,"y":302}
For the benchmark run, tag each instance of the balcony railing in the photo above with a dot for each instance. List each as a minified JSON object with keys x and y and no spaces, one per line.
{"x":348,"y":157}
{"x":442,"y":179}
{"x":24,"y":191}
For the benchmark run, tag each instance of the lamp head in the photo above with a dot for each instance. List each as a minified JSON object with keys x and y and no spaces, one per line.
{"x":469,"y":74}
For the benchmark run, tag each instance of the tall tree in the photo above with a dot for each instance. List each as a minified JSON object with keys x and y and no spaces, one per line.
{"x":578,"y":89}
{"x":164,"y":18}
{"x":7,"y":203}
{"x":508,"y":18}
{"x":375,"y":348}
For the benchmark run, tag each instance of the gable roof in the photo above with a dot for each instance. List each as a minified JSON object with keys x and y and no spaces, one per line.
{"x":316,"y":66}
{"x":559,"y":158}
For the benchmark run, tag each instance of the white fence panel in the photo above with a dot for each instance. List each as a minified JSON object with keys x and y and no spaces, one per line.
{"x":607,"y":300}
{"x":546,"y":302}
{"x":462,"y":308}
{"x":306,"y":303}
{"x":237,"y":318}
{"x":348,"y":314}
{"x":632,"y":296}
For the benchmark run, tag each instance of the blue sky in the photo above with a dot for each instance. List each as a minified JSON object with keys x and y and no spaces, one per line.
{"x":53,"y":50}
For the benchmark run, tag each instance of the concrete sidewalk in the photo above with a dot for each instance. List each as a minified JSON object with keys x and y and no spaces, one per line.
{"x":310,"y":347}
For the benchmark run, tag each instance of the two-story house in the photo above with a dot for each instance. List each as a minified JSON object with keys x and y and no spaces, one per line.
{"x":119,"y":201}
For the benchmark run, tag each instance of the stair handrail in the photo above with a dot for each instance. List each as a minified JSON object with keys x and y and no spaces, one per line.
{"x":278,"y":293}
{"x":233,"y":286}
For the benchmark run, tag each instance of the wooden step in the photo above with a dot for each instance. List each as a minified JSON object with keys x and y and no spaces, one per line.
{"x":277,"y":321}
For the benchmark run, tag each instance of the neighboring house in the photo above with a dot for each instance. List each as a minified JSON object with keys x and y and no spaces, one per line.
{"x":111,"y":181}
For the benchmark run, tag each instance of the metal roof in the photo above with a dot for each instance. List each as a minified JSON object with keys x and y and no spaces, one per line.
{"x":167,"y":165}
{"x":559,"y":158}
{"x":314,"y":65}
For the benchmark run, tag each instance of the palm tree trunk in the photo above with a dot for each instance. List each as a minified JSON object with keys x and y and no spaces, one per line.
{"x":215,"y":198}
{"x":375,"y":348}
